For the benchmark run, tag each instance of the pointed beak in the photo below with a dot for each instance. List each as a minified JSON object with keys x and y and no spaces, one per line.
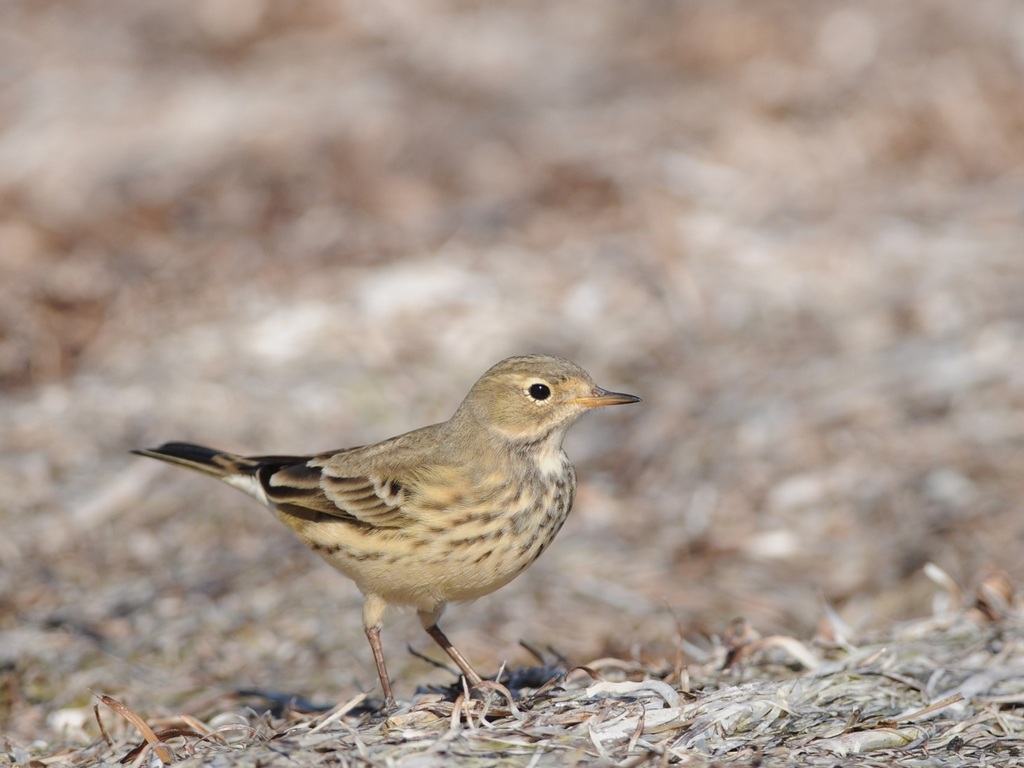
{"x":601,"y":397}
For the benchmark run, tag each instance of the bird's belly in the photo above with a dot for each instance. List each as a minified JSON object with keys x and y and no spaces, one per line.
{"x":427,"y":566}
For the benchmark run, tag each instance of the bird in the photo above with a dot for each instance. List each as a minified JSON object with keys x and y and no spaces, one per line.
{"x":445,"y":513}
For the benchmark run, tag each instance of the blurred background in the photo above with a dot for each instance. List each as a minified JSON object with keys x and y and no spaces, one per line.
{"x":796,"y":230}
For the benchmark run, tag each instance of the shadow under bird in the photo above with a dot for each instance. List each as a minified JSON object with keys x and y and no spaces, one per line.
{"x":445,"y":513}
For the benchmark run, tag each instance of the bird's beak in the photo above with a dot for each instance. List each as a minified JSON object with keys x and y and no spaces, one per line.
{"x":601,"y":397}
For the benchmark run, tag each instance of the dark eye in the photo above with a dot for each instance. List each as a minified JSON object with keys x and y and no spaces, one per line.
{"x":540,"y":391}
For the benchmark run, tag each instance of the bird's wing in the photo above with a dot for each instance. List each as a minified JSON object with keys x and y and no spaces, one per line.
{"x":311,"y":488}
{"x":391,"y":484}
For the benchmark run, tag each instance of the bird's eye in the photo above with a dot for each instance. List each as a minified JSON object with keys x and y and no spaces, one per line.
{"x":540,"y":391}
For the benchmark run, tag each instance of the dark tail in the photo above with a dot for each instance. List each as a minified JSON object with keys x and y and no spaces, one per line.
{"x":202,"y":459}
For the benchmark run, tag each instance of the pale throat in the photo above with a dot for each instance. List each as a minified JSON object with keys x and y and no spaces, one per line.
{"x":549,"y":458}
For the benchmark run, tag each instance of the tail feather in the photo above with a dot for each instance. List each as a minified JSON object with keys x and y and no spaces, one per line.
{"x":202,"y":459}
{"x":249,"y":474}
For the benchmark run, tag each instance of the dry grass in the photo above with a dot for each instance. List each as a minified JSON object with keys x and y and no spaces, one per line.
{"x":940,"y":691}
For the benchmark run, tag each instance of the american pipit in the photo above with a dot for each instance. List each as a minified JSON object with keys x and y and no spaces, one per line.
{"x":445,"y":513}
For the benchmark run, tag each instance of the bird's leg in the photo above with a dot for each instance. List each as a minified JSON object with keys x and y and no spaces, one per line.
{"x":373,"y":635}
{"x":429,"y":620}
{"x":373,"y":618}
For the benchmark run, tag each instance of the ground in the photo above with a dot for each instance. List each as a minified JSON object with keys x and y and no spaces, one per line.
{"x":795,"y":230}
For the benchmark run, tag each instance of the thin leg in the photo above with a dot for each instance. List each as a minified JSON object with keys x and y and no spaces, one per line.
{"x":373,"y":635}
{"x":439,"y":637}
{"x":373,"y":617}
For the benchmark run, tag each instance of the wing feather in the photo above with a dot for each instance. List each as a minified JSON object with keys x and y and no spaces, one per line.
{"x":363,"y":501}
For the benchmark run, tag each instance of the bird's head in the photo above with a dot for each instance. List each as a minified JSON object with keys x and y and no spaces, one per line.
{"x":529,"y":398}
